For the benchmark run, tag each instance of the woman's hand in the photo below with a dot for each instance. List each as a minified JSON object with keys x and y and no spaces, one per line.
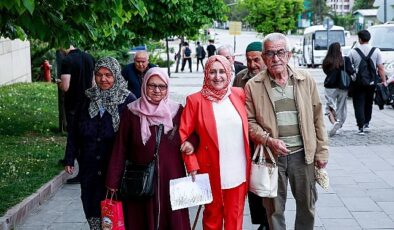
{"x":193,"y":175}
{"x":278,"y":146}
{"x":69,"y":169}
{"x":187,"y":148}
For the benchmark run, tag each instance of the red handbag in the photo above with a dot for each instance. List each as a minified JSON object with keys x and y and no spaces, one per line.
{"x":112,"y":214}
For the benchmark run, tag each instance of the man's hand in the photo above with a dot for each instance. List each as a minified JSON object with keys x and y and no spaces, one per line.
{"x":321,"y":164}
{"x":278,"y":146}
{"x":187,"y":148}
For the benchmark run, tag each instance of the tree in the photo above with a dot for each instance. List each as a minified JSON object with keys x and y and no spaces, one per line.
{"x":102,"y":23}
{"x":60,"y":22}
{"x":319,"y":10}
{"x":273,"y":16}
{"x":346,"y":21}
{"x":363,"y":4}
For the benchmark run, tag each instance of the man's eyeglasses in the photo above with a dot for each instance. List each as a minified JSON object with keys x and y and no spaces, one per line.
{"x":107,"y":75}
{"x":154,"y":86}
{"x":271,"y":54}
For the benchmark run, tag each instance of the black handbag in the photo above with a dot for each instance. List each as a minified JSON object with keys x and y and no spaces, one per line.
{"x":138,"y":180}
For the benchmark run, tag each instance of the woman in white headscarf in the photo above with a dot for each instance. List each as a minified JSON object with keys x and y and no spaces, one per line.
{"x":92,"y":134}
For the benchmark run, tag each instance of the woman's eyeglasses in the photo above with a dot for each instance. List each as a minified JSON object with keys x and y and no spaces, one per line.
{"x":271,"y":54}
{"x":154,"y":86}
{"x":100,"y":75}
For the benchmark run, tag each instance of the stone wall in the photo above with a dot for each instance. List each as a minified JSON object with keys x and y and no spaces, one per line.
{"x":15,"y":62}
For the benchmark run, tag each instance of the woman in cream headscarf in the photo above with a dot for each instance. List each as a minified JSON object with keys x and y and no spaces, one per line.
{"x":136,"y":143}
{"x":217,"y":115}
{"x":92,"y":133}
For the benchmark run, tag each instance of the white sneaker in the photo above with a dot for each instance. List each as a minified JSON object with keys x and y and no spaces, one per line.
{"x":334,"y":129}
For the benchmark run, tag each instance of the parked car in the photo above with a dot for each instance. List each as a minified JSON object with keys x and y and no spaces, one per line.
{"x":382,"y":37}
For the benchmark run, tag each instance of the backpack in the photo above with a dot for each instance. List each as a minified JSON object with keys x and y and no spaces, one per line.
{"x":366,"y":74}
{"x":188,"y":52}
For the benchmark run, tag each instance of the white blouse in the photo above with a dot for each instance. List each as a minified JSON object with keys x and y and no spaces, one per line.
{"x":231,"y":144}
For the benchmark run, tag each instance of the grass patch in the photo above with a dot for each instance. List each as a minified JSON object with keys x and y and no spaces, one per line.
{"x":29,"y":143}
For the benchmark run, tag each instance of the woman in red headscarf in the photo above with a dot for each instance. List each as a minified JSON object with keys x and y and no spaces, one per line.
{"x":217,"y":115}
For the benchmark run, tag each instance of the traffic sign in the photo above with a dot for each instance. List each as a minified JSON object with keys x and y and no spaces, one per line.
{"x":235,"y":27}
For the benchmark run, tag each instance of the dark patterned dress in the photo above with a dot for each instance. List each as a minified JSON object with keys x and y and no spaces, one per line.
{"x":93,"y":138}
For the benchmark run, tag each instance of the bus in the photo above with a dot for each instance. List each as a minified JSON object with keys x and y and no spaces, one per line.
{"x":315,"y":43}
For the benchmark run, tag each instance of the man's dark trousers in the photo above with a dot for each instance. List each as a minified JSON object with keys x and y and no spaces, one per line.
{"x":362,"y":104}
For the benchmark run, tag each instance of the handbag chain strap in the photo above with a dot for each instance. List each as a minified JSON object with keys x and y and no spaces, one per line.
{"x":158,"y":138}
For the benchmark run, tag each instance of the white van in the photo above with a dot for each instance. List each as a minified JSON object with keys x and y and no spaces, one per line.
{"x":382,"y":37}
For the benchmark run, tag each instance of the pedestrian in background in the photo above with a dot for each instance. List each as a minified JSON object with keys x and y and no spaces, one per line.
{"x":76,"y":76}
{"x":92,"y":133}
{"x":211,"y":48}
{"x":255,"y":64}
{"x":134,"y":72}
{"x":227,"y":51}
{"x":285,"y":115}
{"x":136,"y":143}
{"x":336,"y":97}
{"x":217,"y":115}
{"x":186,"y":56}
{"x":200,"y":54}
{"x":363,"y":95}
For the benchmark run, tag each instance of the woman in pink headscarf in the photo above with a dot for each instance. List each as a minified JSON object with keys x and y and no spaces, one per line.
{"x":217,"y":115}
{"x":136,"y":143}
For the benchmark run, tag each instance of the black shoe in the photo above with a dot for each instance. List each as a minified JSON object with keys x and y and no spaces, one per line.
{"x":74,"y":180}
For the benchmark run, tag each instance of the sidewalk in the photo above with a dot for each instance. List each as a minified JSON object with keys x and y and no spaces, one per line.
{"x":361,"y":169}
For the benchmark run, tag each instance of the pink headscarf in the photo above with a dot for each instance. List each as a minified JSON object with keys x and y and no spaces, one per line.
{"x":208,"y":91}
{"x":152,"y":114}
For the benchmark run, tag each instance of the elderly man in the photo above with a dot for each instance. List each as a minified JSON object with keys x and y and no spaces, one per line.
{"x":255,"y":64}
{"x":236,"y":67}
{"x":134,"y":72}
{"x":285,"y":115}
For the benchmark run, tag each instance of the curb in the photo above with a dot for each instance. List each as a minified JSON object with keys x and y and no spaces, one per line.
{"x":19,"y":212}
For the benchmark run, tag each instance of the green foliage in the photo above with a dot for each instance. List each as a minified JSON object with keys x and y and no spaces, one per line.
{"x":62,"y":21}
{"x":273,"y":16}
{"x":346,"y":21}
{"x":30,"y":148}
{"x":102,"y":24}
{"x":363,"y":4}
{"x":319,"y":10}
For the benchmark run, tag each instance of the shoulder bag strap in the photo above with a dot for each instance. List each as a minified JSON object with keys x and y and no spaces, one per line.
{"x":371,"y":52}
{"x":158,"y":138}
{"x":360,"y":53}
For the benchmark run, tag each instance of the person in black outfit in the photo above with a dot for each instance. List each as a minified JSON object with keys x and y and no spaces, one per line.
{"x":200,"y":53}
{"x":186,"y":56}
{"x":76,"y":76}
{"x":211,"y":48}
{"x":134,"y":72}
{"x":363,"y":95}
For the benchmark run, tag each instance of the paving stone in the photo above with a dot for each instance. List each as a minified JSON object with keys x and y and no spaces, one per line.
{"x":373,"y":220}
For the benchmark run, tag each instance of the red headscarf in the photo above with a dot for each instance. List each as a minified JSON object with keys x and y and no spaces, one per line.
{"x":152,"y":114}
{"x":208,"y":91}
